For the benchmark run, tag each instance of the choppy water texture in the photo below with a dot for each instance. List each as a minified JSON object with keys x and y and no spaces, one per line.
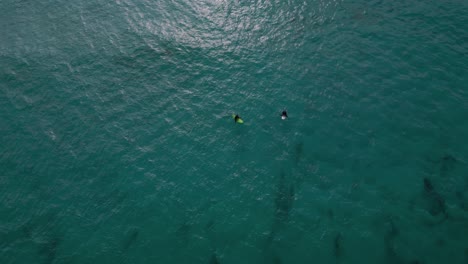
{"x":117,"y":143}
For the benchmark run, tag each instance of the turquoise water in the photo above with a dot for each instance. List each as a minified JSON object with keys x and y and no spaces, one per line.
{"x":117,"y":143}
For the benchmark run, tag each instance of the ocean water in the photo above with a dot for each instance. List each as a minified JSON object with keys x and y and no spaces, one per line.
{"x":117,"y":143}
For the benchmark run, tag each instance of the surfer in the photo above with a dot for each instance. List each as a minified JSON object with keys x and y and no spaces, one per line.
{"x":284,"y":115}
{"x":237,"y":118}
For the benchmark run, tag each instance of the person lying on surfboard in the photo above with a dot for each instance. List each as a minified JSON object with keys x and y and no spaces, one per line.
{"x":236,"y":118}
{"x":284,"y":115}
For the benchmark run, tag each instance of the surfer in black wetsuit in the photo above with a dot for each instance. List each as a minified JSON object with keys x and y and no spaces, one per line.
{"x":237,"y":117}
{"x":284,"y":115}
